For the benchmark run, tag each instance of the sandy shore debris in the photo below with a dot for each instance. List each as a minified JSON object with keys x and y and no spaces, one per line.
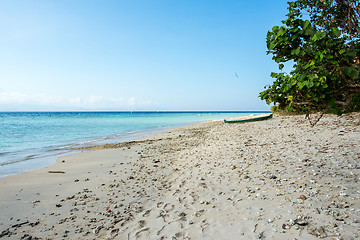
{"x":275,"y":179}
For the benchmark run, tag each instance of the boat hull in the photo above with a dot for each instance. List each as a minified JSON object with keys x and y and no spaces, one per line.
{"x":249,"y":118}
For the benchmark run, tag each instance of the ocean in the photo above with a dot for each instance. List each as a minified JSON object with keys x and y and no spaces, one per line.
{"x":33,"y":140}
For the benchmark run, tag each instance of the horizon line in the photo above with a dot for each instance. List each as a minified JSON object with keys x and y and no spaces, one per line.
{"x":50,"y":111}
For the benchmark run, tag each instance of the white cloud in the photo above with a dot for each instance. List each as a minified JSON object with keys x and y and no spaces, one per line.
{"x":94,"y":102}
{"x":97,"y":101}
{"x":7,"y":97}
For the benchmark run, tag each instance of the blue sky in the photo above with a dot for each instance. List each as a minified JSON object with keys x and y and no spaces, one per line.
{"x":135,"y":54}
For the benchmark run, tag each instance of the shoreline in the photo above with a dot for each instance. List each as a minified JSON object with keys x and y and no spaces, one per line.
{"x":27,"y":157}
{"x":48,"y":156}
{"x":278,"y":179}
{"x":72,"y":148}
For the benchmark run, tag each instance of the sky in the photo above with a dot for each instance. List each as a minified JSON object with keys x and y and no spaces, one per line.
{"x":135,"y":54}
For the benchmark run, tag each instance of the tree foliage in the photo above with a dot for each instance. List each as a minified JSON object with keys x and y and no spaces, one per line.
{"x":321,"y":38}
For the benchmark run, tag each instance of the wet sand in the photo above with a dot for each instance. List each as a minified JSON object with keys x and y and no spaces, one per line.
{"x":274,"y":179}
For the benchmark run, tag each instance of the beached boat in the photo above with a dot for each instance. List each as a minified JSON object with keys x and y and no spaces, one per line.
{"x":249,"y":118}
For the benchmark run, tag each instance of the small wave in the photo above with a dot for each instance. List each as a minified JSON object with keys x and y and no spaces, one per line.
{"x":18,"y":160}
{"x":66,"y":147}
{"x":4,"y":153}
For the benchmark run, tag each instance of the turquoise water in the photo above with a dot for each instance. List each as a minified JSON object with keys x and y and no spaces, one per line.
{"x":32,"y":140}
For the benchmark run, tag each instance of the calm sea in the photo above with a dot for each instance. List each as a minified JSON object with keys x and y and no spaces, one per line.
{"x":32,"y":140}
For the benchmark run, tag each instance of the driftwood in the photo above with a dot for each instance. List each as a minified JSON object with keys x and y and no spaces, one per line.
{"x":56,"y":172}
{"x":316,"y":120}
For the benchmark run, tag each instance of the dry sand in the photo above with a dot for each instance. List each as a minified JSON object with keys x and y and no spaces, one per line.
{"x":274,"y":179}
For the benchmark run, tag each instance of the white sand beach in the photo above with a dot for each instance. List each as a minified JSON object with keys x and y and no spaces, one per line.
{"x":273,"y":179}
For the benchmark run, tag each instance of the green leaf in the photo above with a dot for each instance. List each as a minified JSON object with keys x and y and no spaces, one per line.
{"x":351,"y":72}
{"x":275,"y":28}
{"x":342,"y":51}
{"x":309,"y":84}
{"x":300,"y":85}
{"x":336,"y":31}
{"x":322,"y":79}
{"x":295,"y":51}
{"x":289,"y":108}
{"x":306,"y":24}
{"x":315,"y":38}
{"x":308,"y":31}
{"x":301,"y":77}
{"x":272,"y":45}
{"x":281,"y":31}
{"x":294,"y":30}
{"x":281,"y":66}
{"x":318,"y":36}
{"x":322,"y":34}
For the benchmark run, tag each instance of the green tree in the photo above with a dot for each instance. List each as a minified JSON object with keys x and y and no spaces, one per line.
{"x":321,"y":38}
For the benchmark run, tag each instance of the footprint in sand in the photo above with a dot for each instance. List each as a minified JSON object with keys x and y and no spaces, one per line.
{"x":142,"y":223}
{"x":138,"y":234}
{"x":199,"y":213}
{"x":169,"y":207}
{"x":147,"y":213}
{"x":159,"y":204}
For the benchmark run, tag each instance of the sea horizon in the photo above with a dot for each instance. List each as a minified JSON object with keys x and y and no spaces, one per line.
{"x":130,"y":111}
